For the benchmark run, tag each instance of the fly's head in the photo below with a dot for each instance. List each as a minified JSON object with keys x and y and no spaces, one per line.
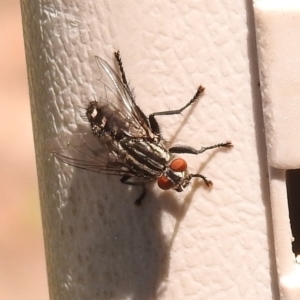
{"x":176,"y":176}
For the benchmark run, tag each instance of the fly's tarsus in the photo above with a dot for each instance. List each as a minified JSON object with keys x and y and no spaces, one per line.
{"x":139,"y":200}
{"x":221,"y":145}
{"x":206,"y":181}
{"x":125,"y":180}
{"x":120,"y":63}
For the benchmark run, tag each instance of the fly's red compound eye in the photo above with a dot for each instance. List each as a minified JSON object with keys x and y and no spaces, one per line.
{"x":164,"y":182}
{"x":178,"y":165}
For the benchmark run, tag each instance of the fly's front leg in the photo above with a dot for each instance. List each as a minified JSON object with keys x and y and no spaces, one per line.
{"x":190,"y":150}
{"x":125,"y":180}
{"x":206,"y":181}
{"x":153,"y":123}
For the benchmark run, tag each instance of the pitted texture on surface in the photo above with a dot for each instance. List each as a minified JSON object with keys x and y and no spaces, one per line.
{"x":201,"y":244}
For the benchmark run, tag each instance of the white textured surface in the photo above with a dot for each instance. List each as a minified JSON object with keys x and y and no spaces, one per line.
{"x":278,"y":31}
{"x":201,"y":244}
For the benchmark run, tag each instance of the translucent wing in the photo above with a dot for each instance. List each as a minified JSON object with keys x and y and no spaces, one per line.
{"x":119,"y":114}
{"x":87,"y":152}
{"x":122,"y":100}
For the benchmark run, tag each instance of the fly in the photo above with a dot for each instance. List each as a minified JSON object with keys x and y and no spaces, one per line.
{"x":133,"y":147}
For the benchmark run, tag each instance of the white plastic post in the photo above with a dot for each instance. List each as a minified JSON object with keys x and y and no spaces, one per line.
{"x":277,"y":30}
{"x":199,"y":244}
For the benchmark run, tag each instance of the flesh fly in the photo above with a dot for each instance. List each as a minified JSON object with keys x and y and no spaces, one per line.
{"x":130,"y":143}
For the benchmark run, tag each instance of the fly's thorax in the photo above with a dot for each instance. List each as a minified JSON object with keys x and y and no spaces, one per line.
{"x":150,"y":159}
{"x":147,"y":149}
{"x":175,"y":176}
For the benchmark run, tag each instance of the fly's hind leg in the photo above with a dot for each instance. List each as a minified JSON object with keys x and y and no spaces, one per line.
{"x":125,"y":180}
{"x":120,"y":63}
{"x":153,"y":122}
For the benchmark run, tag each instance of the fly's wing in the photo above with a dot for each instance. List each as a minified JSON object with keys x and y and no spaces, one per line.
{"x":122,"y":99}
{"x":86,"y":152}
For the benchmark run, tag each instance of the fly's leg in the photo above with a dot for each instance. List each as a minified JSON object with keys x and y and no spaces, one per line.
{"x":153,"y":123}
{"x":119,"y":60}
{"x":206,"y":181}
{"x":125,"y":180}
{"x":190,"y":150}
